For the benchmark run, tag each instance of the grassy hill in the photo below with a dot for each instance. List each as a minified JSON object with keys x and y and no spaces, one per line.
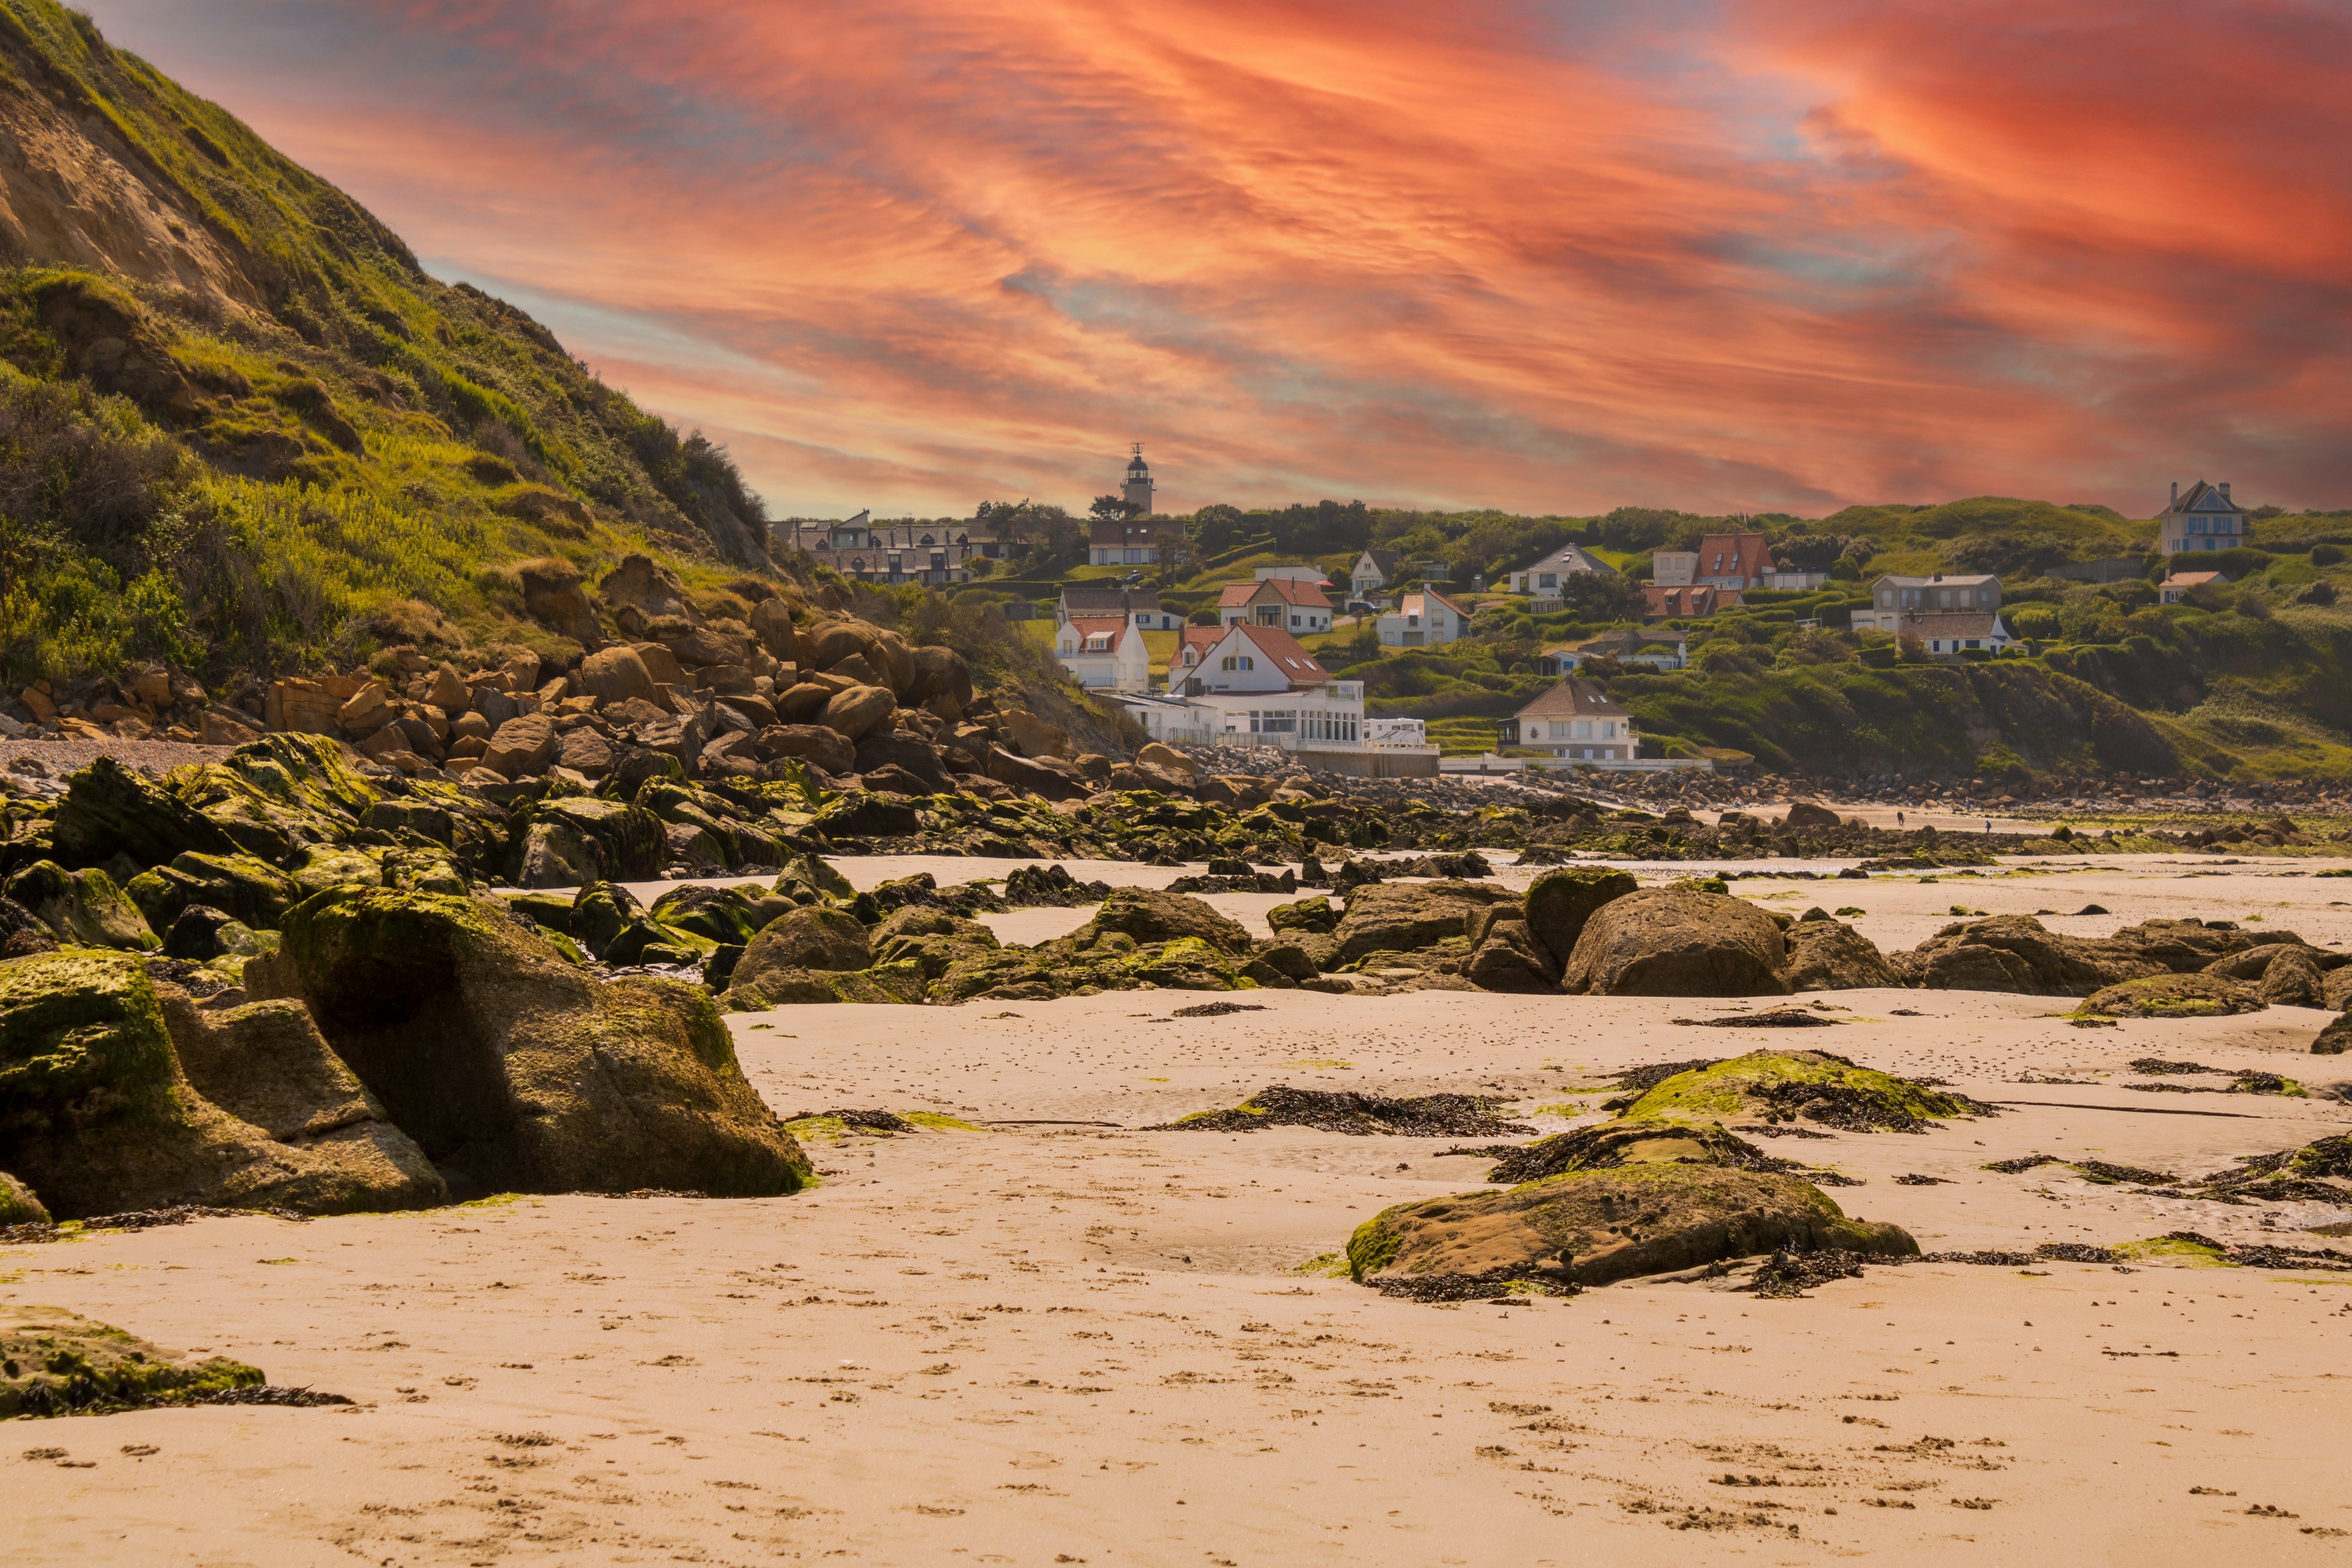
{"x":240,"y":428}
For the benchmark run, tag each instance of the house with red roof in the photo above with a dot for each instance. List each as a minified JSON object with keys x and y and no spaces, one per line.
{"x":1104,"y":653}
{"x":1288,"y":603}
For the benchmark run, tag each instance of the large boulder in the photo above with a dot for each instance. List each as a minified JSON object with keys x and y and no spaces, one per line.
{"x":614,"y":675}
{"x":858,"y":710}
{"x":1150,"y":915}
{"x":1595,"y":1226}
{"x":628,"y":840}
{"x":265,"y":1064}
{"x":1810,"y":814}
{"x":1051,"y":777}
{"x":2017,"y":953}
{"x":251,"y":890}
{"x":281,"y":792}
{"x":899,"y":748}
{"x":81,"y":907}
{"x":2174,"y":996}
{"x":19,"y":1205}
{"x":818,"y":745}
{"x":812,"y":938}
{"x":2184,"y":946}
{"x":931,"y":939}
{"x":2292,"y":979}
{"x":1780,"y":1086}
{"x":1503,"y":956}
{"x":940,"y":677}
{"x":554,"y":595}
{"x":98,"y":1116}
{"x":770,"y":621}
{"x":110,"y":810}
{"x":1826,"y":955}
{"x":1667,"y":943}
{"x":523,"y":746}
{"x":1034,"y":737}
{"x":1560,"y":902}
{"x":722,"y":915}
{"x":511,"y":1065}
{"x":1405,"y":917}
{"x":648,"y":587}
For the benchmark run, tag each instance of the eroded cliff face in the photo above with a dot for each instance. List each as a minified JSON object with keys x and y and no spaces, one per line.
{"x":73,"y":194}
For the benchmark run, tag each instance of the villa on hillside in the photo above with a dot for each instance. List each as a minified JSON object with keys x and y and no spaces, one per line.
{"x":1113,"y":542}
{"x":1104,"y":653}
{"x":1731,"y":562}
{"x":1289,"y":603}
{"x":935,"y":555}
{"x":1576,"y":720}
{"x":1950,"y":614}
{"x":1423,"y":619}
{"x":2206,"y":519}
{"x":1544,"y":581}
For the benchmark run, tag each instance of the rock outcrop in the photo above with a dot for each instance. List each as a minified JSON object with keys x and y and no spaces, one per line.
{"x":1595,"y":1226}
{"x":514,"y":1069}
{"x":1664,"y":942}
{"x":101,"y":1117}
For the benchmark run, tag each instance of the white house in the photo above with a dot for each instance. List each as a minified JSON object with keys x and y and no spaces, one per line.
{"x":1423,"y":619}
{"x":1373,"y":570}
{"x":1255,"y":685}
{"x":1574,"y":719}
{"x":1291,"y":603}
{"x":2206,"y":519}
{"x":1544,"y":580}
{"x":1104,"y":653}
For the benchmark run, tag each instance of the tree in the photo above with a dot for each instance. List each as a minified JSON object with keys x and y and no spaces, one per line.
{"x":1214,"y":527}
{"x":1604,"y":596}
{"x":1114,"y":508}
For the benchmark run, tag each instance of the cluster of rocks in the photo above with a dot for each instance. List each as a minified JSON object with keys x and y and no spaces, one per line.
{"x":390,"y":1047}
{"x":2105,"y":792}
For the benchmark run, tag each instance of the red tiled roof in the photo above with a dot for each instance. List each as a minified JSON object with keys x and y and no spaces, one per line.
{"x":1295,"y":664}
{"x":1290,"y":591}
{"x":1198,"y":640}
{"x":1735,"y":555}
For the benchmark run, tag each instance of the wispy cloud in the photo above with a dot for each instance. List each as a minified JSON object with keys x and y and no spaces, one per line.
{"x":1529,"y":253}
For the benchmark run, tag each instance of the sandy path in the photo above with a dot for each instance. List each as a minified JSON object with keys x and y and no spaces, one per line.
{"x":1057,"y":1343}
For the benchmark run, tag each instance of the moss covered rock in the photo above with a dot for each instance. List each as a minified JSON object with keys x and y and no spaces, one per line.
{"x":1663,"y":943}
{"x":1150,"y":915}
{"x":629,"y":843}
{"x":1827,"y":955}
{"x":509,"y":1064}
{"x":55,"y":1362}
{"x":83,"y":907}
{"x":110,"y":810}
{"x":817,"y":937}
{"x":278,"y":793}
{"x":19,"y":1204}
{"x":251,"y":890}
{"x":1594,"y":1226}
{"x":2017,"y":953}
{"x":1315,"y":915}
{"x":1560,"y":903}
{"x":1779,"y":1086}
{"x":97,"y":1114}
{"x":1607,"y":1145}
{"x":715,"y":915}
{"x":1405,"y":917}
{"x":2173,"y":997}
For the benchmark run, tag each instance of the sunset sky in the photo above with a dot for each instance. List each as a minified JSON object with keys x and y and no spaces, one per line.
{"x":1539,"y":255}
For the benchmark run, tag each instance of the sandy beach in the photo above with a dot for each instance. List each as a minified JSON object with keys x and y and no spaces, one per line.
{"x":1051,"y":1337}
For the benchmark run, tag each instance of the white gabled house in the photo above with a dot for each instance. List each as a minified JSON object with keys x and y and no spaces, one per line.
{"x":1423,"y":619}
{"x":1104,"y":653}
{"x":1575,"y":721}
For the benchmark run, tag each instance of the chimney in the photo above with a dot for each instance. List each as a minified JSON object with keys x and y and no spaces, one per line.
{"x":2225,"y":495}
{"x":2175,"y":492}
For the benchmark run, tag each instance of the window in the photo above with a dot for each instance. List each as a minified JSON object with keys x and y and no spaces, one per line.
{"x":1548,"y":580}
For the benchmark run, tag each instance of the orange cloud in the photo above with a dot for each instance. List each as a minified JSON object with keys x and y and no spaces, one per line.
{"x":1550,"y":257}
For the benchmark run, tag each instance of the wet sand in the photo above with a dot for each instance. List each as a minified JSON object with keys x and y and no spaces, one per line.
{"x":1044,"y":1341}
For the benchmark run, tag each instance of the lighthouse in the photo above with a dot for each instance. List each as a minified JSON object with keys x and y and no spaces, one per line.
{"x":1137,"y":491}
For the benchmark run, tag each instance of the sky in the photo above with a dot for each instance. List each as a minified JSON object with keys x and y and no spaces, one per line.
{"x":1549,"y":255}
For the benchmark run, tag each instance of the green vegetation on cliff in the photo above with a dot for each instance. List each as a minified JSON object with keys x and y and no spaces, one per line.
{"x":240,"y":426}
